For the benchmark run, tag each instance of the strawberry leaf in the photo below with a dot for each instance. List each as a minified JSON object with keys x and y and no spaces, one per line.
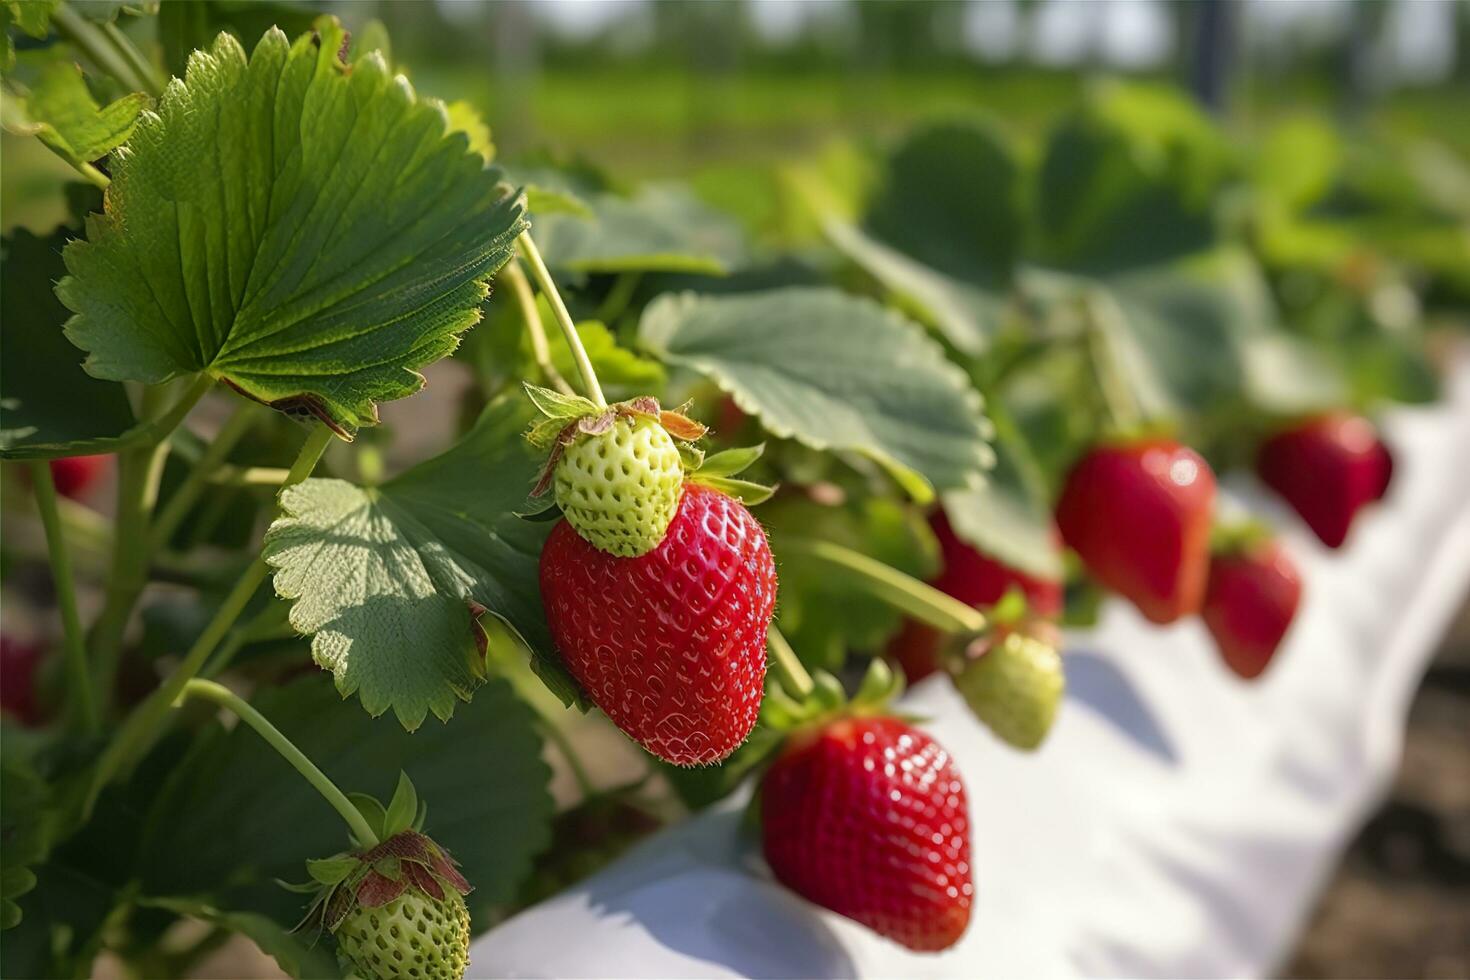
{"x":386,"y":577}
{"x":26,"y":832}
{"x":943,"y":233}
{"x":61,"y":113}
{"x":306,"y":231}
{"x":833,"y":372}
{"x":1009,"y":517}
{"x":1129,"y":179}
{"x":966,"y":314}
{"x":662,"y":228}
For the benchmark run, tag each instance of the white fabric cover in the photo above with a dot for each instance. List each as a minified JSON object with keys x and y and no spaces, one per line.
{"x":1177,"y":823}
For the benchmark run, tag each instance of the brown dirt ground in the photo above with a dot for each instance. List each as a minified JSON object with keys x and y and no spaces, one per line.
{"x":1399,"y":905}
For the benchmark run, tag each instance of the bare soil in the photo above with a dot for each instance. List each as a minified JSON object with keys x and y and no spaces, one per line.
{"x":1399,"y":905}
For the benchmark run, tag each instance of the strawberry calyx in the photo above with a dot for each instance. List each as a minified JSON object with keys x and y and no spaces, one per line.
{"x":828,"y":702}
{"x":1238,"y":537}
{"x":1012,"y":615}
{"x":567,"y":418}
{"x":1010,"y":673}
{"x":371,"y":875}
{"x":1114,"y":434}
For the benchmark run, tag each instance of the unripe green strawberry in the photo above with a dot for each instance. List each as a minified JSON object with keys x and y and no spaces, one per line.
{"x":413,"y":937}
{"x":1012,"y":680}
{"x":619,"y":489}
{"x":396,"y":909}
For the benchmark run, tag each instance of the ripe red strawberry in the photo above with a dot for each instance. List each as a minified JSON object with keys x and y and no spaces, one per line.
{"x":867,"y":817}
{"x":75,"y":475}
{"x":1385,"y":470}
{"x":1138,"y":514}
{"x":671,"y":644}
{"x":1328,"y":468}
{"x":19,"y":685}
{"x":976,"y":579}
{"x":1251,"y":601}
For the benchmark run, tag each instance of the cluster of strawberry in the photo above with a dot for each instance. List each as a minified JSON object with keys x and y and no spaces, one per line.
{"x":659,"y":588}
{"x":1140,"y":516}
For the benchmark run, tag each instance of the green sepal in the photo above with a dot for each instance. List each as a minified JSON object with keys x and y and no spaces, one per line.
{"x":555,"y":405}
{"x":732,"y":462}
{"x":303,"y":888}
{"x":718,"y":471}
{"x":402,"y":809}
{"x":881,"y":684}
{"x":558,"y":410}
{"x":781,"y":712}
{"x":828,"y":693}
{"x":329,"y":871}
{"x":1237,"y":537}
{"x":1011,"y":610}
{"x":548,"y":515}
{"x":745,"y":491}
{"x":691,"y":456}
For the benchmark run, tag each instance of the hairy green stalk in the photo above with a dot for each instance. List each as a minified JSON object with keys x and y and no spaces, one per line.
{"x":903,"y":592}
{"x":149,"y":76}
{"x":224,"y":697}
{"x":98,"y":48}
{"x":143,"y":727}
{"x":540,"y":349}
{"x":543,"y":279}
{"x":246,"y":414}
{"x":139,"y":469}
{"x":79,"y":682}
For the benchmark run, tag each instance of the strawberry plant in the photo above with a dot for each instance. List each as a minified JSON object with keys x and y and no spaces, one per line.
{"x":688,"y":469}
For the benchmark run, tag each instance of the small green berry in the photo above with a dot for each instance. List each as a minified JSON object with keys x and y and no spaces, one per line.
{"x":413,"y":937}
{"x":1013,"y":683}
{"x":620,"y":490}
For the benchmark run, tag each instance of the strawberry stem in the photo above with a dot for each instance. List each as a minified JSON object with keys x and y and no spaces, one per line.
{"x":789,"y":670}
{"x":79,"y":684}
{"x":903,"y":592}
{"x":99,"y":49}
{"x":147,"y":74}
{"x":543,"y":279}
{"x":140,"y":461}
{"x":139,"y":731}
{"x":540,"y":349}
{"x":225,"y":698}
{"x":173,"y":513}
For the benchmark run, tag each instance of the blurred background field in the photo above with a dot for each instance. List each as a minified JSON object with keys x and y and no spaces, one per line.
{"x":714,"y":91}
